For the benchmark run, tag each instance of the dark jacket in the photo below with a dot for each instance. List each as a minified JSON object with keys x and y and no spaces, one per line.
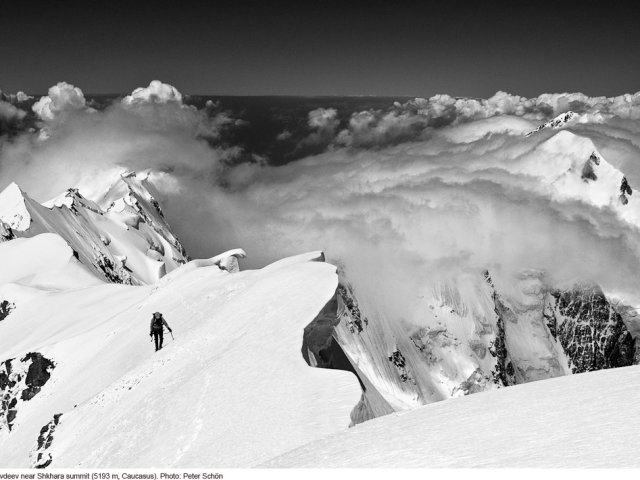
{"x":158,"y":326}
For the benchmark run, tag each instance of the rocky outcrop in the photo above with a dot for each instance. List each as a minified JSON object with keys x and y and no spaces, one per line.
{"x":591,"y":332}
{"x":20,"y":381}
{"x":558,"y":122}
{"x":355,"y":320}
{"x":113,"y":270}
{"x":400,"y":363}
{"x":588,"y":170}
{"x":40,"y":457}
{"x":503,"y":373}
{"x":6,"y":233}
{"x":476,"y":383}
{"x":625,"y":189}
{"x":6,"y":308}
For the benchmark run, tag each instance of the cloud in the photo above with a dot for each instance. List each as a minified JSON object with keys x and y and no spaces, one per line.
{"x":10,"y":113}
{"x":284,"y":135}
{"x":414,"y":119}
{"x":402,"y":217}
{"x":156,"y":92}
{"x":22,"y":97}
{"x":12,"y":120}
{"x":62,"y":97}
{"x":403,"y":198}
{"x":85,"y":148}
{"x":323,"y":122}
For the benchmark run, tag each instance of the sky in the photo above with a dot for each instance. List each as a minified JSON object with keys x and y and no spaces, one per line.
{"x":322,"y":48}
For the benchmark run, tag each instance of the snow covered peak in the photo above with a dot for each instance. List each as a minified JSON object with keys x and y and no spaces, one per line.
{"x":72,"y":199}
{"x":570,"y":167}
{"x":129,"y":242}
{"x":559,"y":122}
{"x":13,"y":211}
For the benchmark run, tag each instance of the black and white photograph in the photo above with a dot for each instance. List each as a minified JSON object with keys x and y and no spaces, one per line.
{"x":251,"y":239}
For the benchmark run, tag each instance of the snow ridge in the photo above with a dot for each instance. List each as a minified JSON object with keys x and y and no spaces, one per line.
{"x":128,"y":242}
{"x":556,"y":123}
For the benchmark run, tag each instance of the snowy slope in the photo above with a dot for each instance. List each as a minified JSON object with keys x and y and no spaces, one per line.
{"x":125,"y":239}
{"x":580,"y":421}
{"x":215,"y":396}
{"x":46,"y":261}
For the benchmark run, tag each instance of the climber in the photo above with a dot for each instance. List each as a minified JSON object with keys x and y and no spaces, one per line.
{"x":157,"y":329}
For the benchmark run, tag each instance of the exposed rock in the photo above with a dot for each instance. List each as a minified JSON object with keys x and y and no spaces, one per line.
{"x":355,"y":320}
{"x":38,"y":374}
{"x":588,"y":170}
{"x":430,"y":339}
{"x":477,"y":382}
{"x":399,"y":361}
{"x":5,"y":309}
{"x":504,"y":373}
{"x":40,"y":458}
{"x":20,"y":381}
{"x":113,"y":272}
{"x":625,"y":189}
{"x":591,"y":332}
{"x":6,"y":233}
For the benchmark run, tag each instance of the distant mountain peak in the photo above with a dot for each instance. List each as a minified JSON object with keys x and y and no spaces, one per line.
{"x":558,"y":122}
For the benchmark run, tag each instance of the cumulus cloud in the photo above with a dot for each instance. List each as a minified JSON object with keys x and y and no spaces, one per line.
{"x":22,"y":97}
{"x":82,"y":145}
{"x":62,"y":97}
{"x":414,"y":119}
{"x":156,"y":92}
{"x":459,"y":196}
{"x":323,"y":122}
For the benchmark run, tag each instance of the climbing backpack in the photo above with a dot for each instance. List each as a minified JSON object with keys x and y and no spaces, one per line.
{"x":157,"y":324}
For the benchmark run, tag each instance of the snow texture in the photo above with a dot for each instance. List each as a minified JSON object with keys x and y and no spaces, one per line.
{"x":582,"y":421}
{"x":231,"y":390}
{"x":124,"y":238}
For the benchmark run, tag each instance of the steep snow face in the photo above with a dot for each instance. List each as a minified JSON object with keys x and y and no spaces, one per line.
{"x":13,"y":211}
{"x":443,"y":352}
{"x":467,"y":337}
{"x":202,"y":400}
{"x":569,"y":167}
{"x":46,"y":261}
{"x":129,"y":241}
{"x":580,"y":421}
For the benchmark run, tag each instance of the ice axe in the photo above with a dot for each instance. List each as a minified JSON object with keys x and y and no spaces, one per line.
{"x":171,"y":333}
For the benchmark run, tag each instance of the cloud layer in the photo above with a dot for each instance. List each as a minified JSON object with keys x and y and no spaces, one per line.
{"x":401,"y":198}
